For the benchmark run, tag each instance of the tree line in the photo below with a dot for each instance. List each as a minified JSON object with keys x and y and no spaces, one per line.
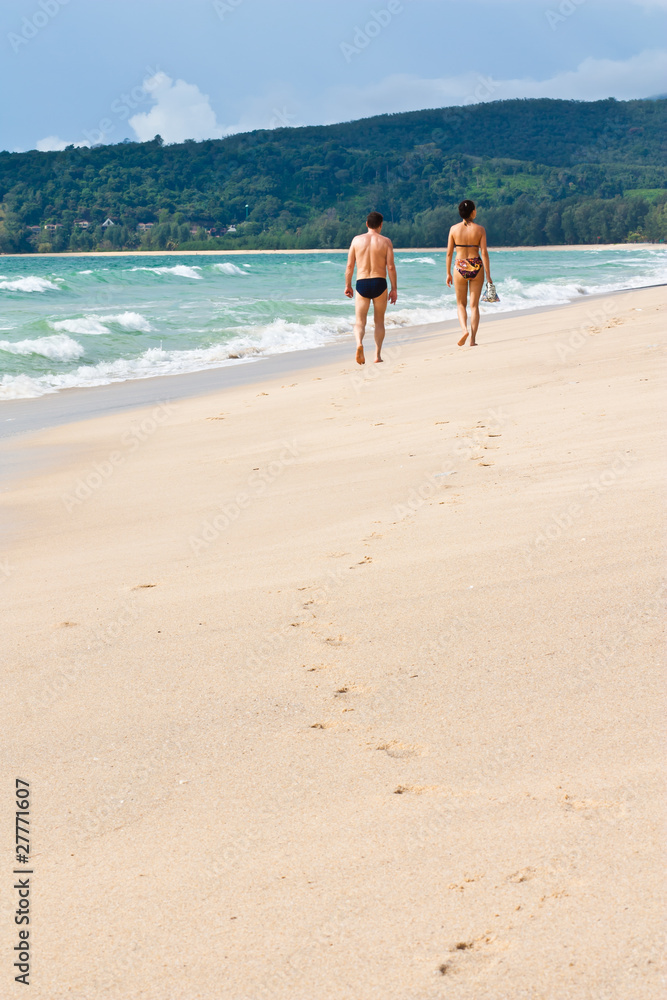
{"x":542,"y":171}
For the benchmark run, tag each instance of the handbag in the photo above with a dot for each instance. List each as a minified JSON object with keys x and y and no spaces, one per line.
{"x":490,"y":293}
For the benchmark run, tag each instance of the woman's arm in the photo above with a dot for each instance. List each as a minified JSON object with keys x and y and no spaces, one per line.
{"x":485,"y":254}
{"x":450,"y":255}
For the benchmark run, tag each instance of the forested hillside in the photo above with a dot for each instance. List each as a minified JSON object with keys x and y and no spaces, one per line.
{"x":542,"y":171}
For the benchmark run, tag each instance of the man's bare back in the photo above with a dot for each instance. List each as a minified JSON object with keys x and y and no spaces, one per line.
{"x":373,"y":256}
{"x":372,"y":252}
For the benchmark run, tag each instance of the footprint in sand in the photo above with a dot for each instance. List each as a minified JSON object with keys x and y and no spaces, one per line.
{"x":349,"y":689}
{"x":524,"y":875}
{"x":401,"y":751}
{"x":338,"y":640}
{"x":415,"y":789}
{"x":144,"y":586}
{"x":66,"y":624}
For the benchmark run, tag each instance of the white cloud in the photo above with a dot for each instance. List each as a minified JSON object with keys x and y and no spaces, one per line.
{"x":641,"y":75}
{"x":52,"y":142}
{"x":180,"y":112}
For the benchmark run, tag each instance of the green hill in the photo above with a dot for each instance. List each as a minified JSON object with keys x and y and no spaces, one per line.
{"x":542,"y":171}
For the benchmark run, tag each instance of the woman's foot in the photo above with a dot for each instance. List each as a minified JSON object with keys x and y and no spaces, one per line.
{"x":463,"y":340}
{"x":361,"y":360}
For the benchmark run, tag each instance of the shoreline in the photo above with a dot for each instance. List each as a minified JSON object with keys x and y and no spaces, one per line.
{"x":343,"y":250}
{"x":86,"y":402}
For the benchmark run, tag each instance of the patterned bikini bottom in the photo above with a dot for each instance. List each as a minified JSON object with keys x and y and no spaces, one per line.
{"x":469,"y":267}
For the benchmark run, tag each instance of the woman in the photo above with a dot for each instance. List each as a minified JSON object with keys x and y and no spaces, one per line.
{"x":472,"y":260}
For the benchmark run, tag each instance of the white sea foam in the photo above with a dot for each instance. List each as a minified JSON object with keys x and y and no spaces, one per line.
{"x":94,"y":326}
{"x":182,"y":270}
{"x":228,"y":268}
{"x":129,"y":321}
{"x":275,"y":338}
{"x":59,"y":347}
{"x":87,"y":325}
{"x":23,"y":387}
{"x":416,"y":260}
{"x":280,"y":336}
{"x":31,"y":283}
{"x":85,"y":272}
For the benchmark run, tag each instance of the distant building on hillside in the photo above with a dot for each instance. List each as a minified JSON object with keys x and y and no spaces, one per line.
{"x":231,"y":229}
{"x":35,"y":229}
{"x":107,"y":223}
{"x":51,"y":227}
{"x":145,"y":227}
{"x":82,"y":223}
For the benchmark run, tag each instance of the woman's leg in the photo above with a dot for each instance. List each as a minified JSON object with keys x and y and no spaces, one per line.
{"x":461,"y":289}
{"x":476,"y":286}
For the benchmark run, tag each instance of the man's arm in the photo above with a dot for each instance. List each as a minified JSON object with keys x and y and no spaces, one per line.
{"x":391,"y":270}
{"x":349,"y":270}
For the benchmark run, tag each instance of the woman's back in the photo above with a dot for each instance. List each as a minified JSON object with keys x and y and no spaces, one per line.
{"x":467,"y":237}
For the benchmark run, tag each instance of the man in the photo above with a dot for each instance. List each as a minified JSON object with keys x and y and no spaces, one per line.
{"x":374,"y":256}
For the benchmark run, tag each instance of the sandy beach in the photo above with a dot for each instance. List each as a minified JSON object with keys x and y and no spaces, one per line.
{"x":293,"y":731}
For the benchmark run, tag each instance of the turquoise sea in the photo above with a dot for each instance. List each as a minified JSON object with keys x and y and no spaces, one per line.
{"x":83,"y":321}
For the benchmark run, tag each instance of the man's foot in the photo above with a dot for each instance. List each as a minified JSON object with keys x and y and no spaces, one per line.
{"x":473,"y":343}
{"x":361,"y":360}
{"x":378,"y":361}
{"x":463,"y":340}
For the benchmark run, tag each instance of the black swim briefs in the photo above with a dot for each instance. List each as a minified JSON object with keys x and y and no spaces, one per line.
{"x":371,"y":288}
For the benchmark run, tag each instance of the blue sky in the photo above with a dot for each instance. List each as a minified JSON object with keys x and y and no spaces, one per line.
{"x":85,"y":71}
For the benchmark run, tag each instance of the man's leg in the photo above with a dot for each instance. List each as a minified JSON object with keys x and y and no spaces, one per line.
{"x":461,"y":289}
{"x":476,"y":286}
{"x":361,"y":307}
{"x":379,"y":309}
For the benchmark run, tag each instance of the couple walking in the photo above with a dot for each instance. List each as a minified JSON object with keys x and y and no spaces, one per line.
{"x":373,"y":255}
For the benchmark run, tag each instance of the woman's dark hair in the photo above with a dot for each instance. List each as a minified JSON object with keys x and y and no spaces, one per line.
{"x":466,"y":208}
{"x":374,"y":220}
